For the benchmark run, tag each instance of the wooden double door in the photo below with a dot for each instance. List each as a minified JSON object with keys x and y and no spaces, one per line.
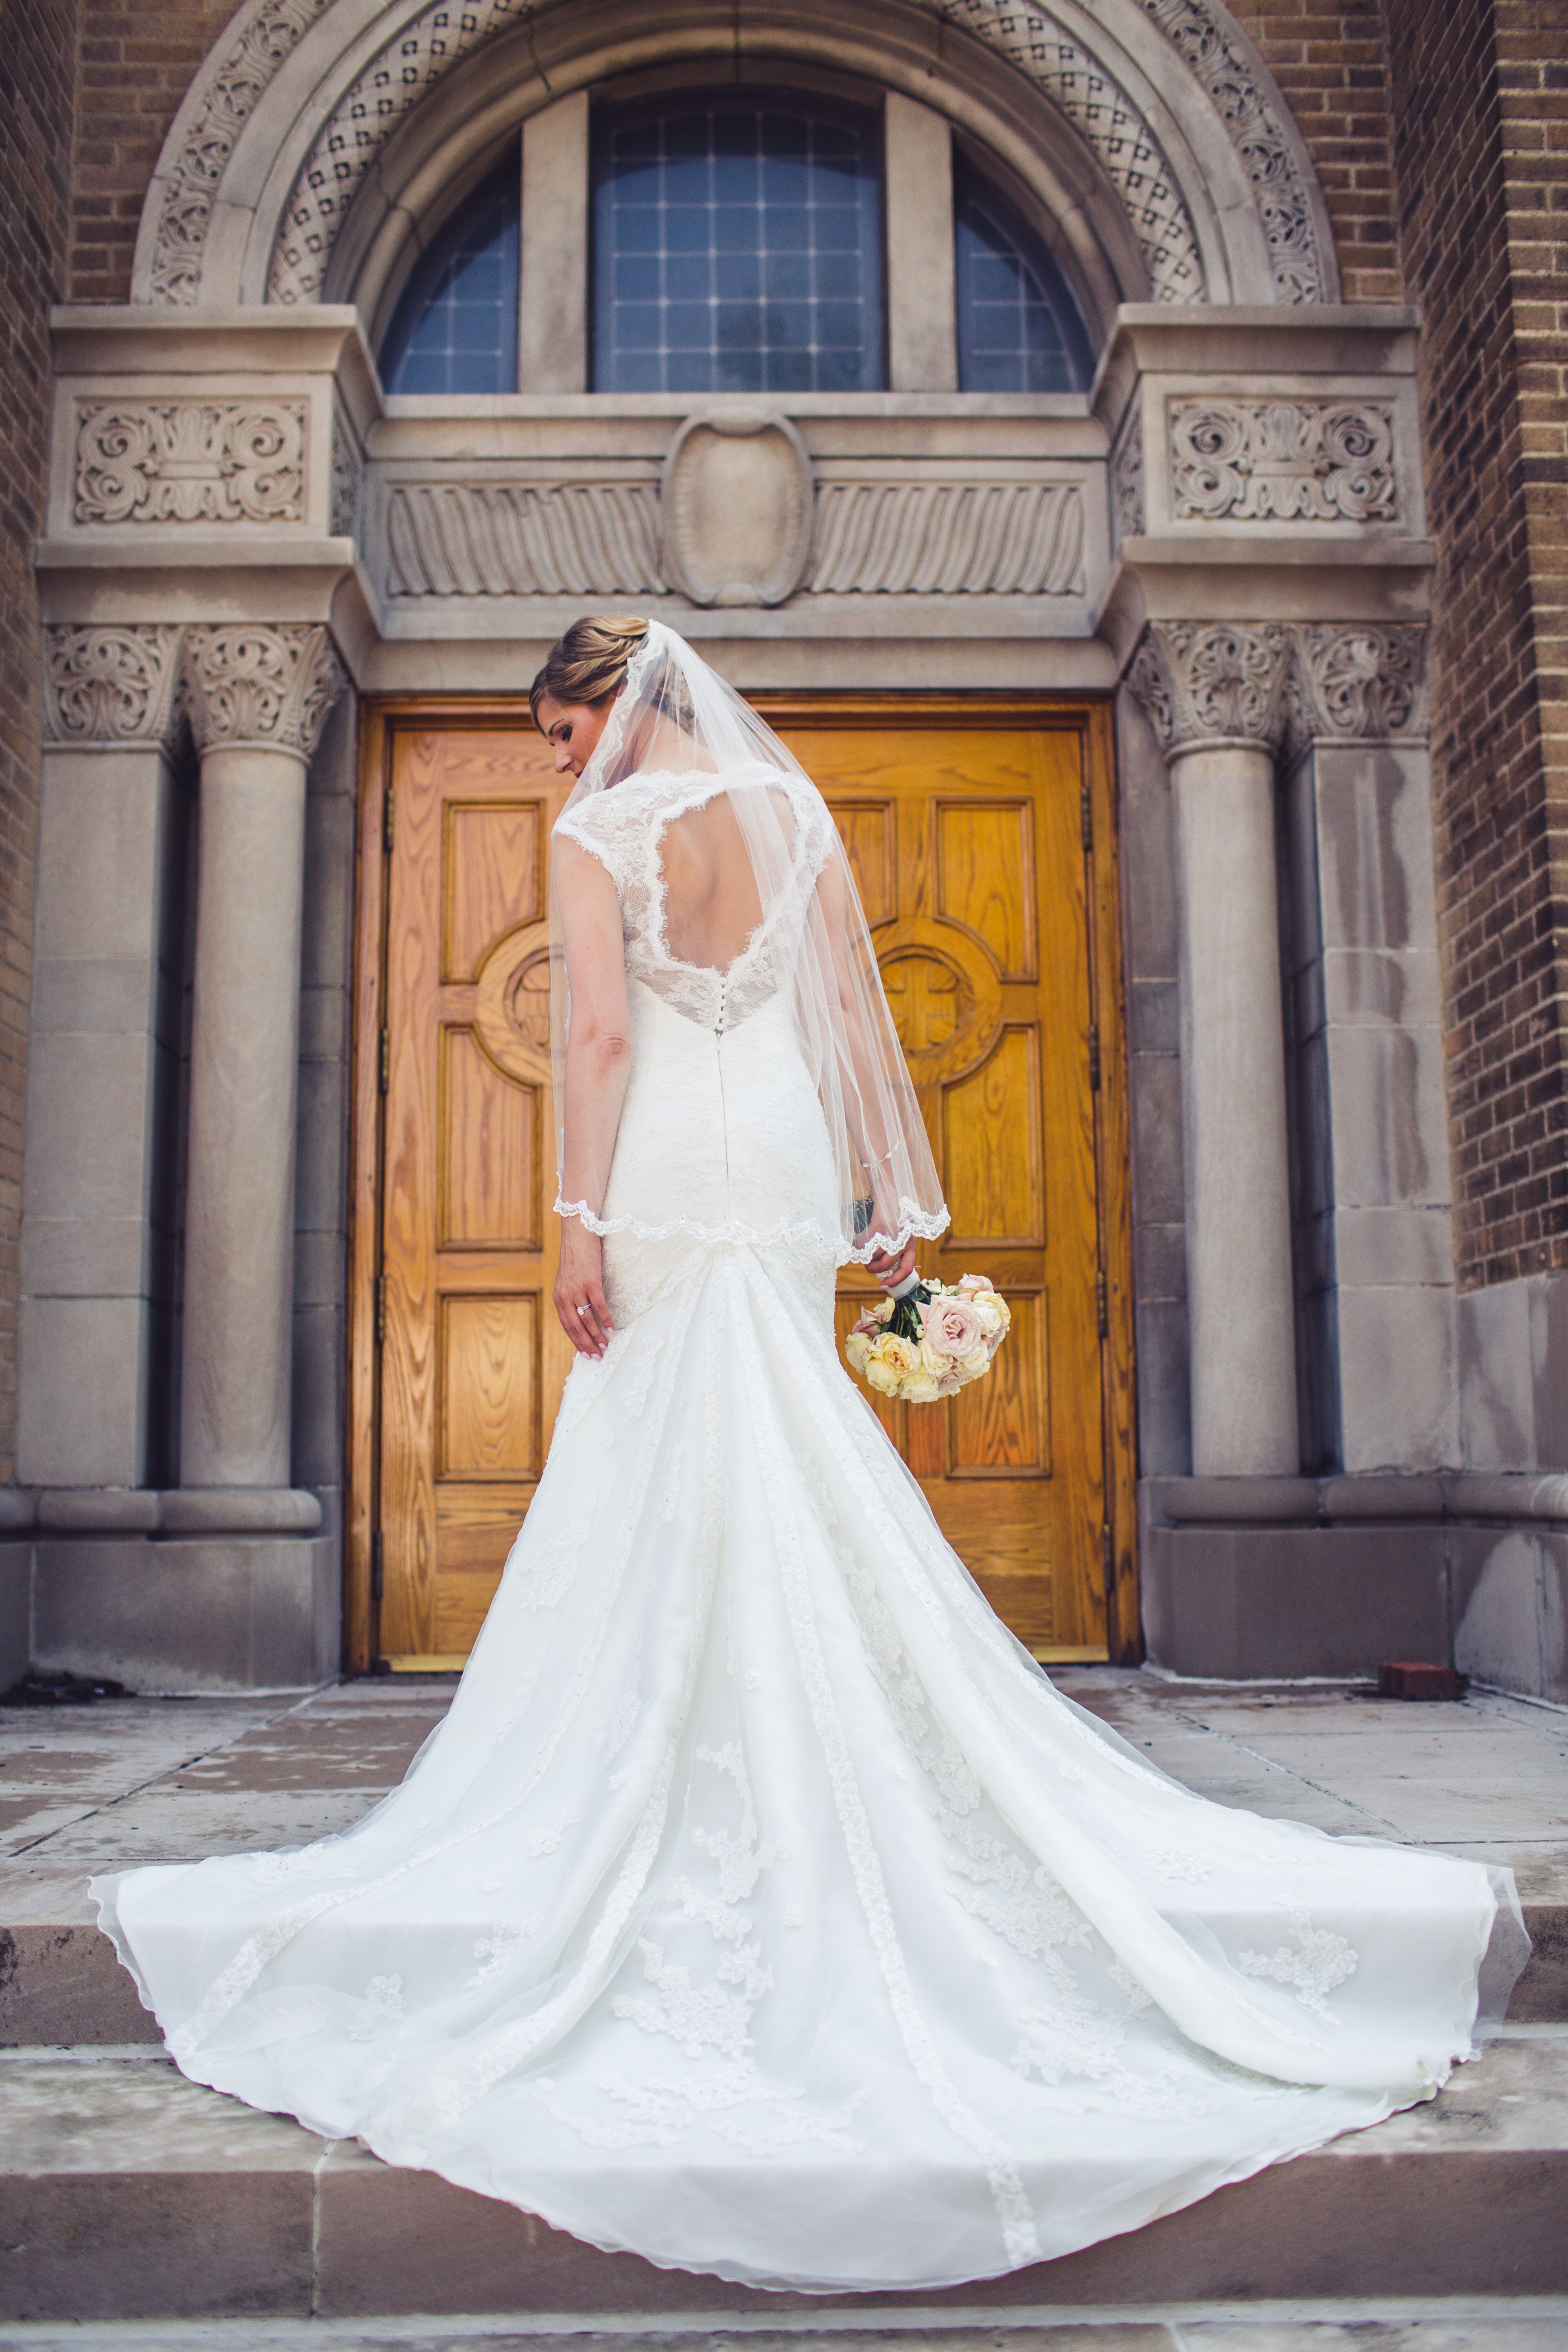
{"x":981,"y":835}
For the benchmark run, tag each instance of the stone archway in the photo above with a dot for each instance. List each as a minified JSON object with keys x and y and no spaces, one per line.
{"x":304,"y":101}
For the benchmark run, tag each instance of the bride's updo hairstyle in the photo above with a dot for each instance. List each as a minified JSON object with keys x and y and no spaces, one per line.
{"x":588,"y":665}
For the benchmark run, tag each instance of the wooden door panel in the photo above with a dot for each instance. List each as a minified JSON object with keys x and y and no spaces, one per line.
{"x":492,"y":865}
{"x":487,"y":1422}
{"x":992,"y":1145}
{"x":473,"y":1361}
{"x":487,"y":1189}
{"x":982,"y":931}
{"x":966,"y":832}
{"x":985,"y":878}
{"x":1000,"y":1427}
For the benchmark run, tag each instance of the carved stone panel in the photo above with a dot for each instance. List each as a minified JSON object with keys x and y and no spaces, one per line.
{"x":522,"y":539}
{"x":736,"y":509}
{"x":110,"y":683}
{"x":190,"y":461}
{"x":249,"y":684}
{"x":1358,"y":684}
{"x":1128,"y":497}
{"x":1213,"y":682}
{"x":261,"y":39}
{"x":1278,"y":460}
{"x":948,"y":539}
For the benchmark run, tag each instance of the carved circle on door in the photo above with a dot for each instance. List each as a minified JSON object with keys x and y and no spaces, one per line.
{"x":944,"y":993}
{"x":512,"y":1004}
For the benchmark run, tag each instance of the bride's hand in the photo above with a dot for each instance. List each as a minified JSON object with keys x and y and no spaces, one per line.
{"x":889,"y":1269}
{"x":580,"y":1291}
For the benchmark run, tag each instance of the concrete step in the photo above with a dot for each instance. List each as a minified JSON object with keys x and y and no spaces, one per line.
{"x":1510,"y":2323}
{"x":127,"y":2193}
{"x":61,"y":1983}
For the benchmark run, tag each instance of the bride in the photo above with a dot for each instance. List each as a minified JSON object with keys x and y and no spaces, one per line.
{"x":759,"y":1905}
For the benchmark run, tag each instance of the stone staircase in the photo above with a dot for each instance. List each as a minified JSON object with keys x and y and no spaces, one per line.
{"x":128,"y":2193}
{"x":136,"y":2206}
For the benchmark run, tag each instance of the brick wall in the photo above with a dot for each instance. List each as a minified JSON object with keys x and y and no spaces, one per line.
{"x":1481,"y":156}
{"x":137,"y":63}
{"x":1328,"y":58}
{"x":37,"y":73}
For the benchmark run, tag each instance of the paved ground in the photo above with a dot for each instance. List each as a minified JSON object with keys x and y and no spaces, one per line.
{"x":85,"y":1789}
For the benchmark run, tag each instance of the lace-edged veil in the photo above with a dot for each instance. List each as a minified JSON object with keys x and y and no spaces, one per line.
{"x":745,"y":891}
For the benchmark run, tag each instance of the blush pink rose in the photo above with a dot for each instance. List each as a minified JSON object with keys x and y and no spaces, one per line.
{"x":952,"y":1326}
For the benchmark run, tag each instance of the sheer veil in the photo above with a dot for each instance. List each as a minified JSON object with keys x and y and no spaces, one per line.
{"x":735,"y":888}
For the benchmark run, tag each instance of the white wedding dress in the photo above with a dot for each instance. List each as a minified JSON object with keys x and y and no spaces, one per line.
{"x":759,"y":1906}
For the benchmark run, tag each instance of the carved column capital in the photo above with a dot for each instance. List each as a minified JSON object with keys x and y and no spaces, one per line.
{"x":110,"y":684}
{"x":1213,"y":683}
{"x":1357,"y":683}
{"x":268,"y":687}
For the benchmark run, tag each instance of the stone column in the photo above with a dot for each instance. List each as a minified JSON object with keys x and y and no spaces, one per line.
{"x":103,"y":1060}
{"x":257,"y":696}
{"x":1377,"y":1253}
{"x":1216,"y":694}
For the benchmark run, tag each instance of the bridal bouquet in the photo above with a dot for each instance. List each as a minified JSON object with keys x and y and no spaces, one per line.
{"x":930,"y":1341}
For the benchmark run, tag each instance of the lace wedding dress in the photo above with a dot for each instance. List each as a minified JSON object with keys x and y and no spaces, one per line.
{"x":760,"y":1907}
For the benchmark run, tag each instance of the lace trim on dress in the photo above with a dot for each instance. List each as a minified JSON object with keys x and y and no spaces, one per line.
{"x":625,"y":830}
{"x":914,"y":1226}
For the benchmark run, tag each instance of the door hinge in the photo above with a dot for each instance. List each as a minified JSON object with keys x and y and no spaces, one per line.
{"x":380,"y":1309}
{"x":1085,"y":816}
{"x":388,"y":816}
{"x":385,"y":1072}
{"x":375,"y":1568}
{"x":1102,"y":1310}
{"x":1094,"y":1057}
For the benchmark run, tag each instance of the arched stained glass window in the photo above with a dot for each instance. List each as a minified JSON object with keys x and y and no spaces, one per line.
{"x":454,"y":327}
{"x":738,"y":248}
{"x":1019,"y":328}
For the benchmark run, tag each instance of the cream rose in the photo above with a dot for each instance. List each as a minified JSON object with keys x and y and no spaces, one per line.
{"x":976,"y":1363}
{"x":885,"y":1378}
{"x":952,"y":1326}
{"x":922,"y":1387}
{"x":992,"y":1313}
{"x":856,"y":1349}
{"x":934,"y":1360}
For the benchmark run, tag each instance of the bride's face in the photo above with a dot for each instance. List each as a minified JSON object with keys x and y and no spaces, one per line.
{"x":573,"y":731}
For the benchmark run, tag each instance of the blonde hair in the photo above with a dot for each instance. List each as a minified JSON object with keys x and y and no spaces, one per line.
{"x":588,"y":664}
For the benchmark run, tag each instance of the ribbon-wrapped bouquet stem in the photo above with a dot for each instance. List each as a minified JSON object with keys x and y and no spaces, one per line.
{"x":930,"y":1339}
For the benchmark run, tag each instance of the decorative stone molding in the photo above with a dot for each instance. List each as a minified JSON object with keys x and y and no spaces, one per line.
{"x":110,"y":684}
{"x":1128,"y":149}
{"x":1128,"y":503}
{"x":1256,"y":132}
{"x":1282,"y":460}
{"x":1361,"y":683}
{"x":362,"y":119}
{"x":428,"y":47}
{"x":190,"y":461}
{"x":503,"y":539}
{"x":348,"y":477}
{"x":1213,"y":682}
{"x":947,"y":539}
{"x":898,"y":538}
{"x":736,"y":509}
{"x":266,"y":36}
{"x":247,"y":684}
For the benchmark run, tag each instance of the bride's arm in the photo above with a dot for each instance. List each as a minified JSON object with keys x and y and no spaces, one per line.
{"x":598,"y":1064}
{"x":873,"y":1131}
